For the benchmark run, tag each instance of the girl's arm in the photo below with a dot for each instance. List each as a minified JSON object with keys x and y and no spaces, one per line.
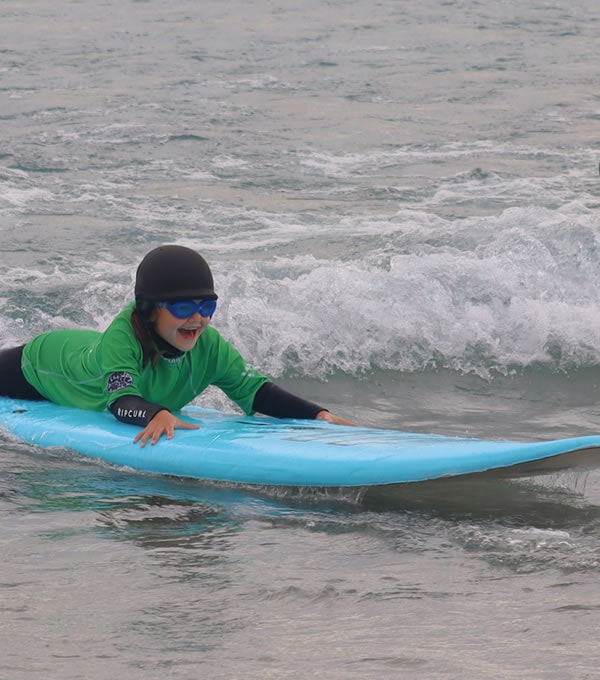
{"x":134,"y":410}
{"x":155,"y":419}
{"x":279,"y":403}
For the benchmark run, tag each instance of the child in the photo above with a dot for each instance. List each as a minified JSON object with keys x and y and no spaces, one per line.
{"x":157,"y":355}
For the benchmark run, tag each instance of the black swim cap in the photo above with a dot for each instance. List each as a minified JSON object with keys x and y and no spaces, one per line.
{"x":174,"y":273}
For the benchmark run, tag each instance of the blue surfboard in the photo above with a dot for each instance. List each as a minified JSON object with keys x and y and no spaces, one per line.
{"x":267,"y":451}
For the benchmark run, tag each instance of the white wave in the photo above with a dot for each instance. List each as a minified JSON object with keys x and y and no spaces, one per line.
{"x":21,"y":197}
{"x":365,"y":162}
{"x":494,"y":293}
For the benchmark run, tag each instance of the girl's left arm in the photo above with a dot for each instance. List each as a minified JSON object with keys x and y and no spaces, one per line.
{"x":273,"y":400}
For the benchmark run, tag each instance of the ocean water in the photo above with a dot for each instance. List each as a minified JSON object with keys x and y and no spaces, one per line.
{"x":399,"y":202}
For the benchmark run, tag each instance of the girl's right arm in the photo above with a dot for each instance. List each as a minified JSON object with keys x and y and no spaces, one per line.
{"x":155,"y":419}
{"x":164,"y":422}
{"x":134,"y":410}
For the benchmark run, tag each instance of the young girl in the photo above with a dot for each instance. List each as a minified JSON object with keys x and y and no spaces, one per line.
{"x":155,"y":357}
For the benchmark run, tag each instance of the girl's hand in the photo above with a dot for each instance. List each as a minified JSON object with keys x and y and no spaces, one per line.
{"x":164,"y":422}
{"x":330,"y":418}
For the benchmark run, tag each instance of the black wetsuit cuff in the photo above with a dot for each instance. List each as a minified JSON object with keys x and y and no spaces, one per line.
{"x":134,"y":410}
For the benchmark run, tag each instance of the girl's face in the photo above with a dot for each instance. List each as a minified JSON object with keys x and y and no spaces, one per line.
{"x":180,"y":333}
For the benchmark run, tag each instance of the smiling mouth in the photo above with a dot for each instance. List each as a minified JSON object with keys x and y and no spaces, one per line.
{"x":188,"y":333}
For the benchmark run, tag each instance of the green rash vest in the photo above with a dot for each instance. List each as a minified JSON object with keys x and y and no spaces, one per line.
{"x":89,"y":369}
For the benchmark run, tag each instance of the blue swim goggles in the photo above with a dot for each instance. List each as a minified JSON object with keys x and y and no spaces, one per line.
{"x":183,"y":309}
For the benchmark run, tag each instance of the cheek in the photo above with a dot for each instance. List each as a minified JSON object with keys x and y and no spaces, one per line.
{"x":163,"y":324}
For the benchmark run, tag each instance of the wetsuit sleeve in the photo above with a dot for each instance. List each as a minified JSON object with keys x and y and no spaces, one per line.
{"x":134,"y":410}
{"x":272,"y":400}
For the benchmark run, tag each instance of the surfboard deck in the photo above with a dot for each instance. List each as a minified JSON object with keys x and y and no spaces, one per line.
{"x":268,"y":451}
